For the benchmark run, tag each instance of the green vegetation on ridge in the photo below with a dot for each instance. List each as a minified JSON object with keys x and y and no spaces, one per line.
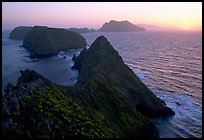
{"x":50,"y":113}
{"x":108,"y":100}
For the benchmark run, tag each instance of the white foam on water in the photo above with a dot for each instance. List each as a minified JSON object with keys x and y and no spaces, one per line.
{"x":187,"y":122}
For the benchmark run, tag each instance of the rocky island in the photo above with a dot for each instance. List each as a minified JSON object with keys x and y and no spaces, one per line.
{"x":120,"y":26}
{"x":81,"y":30}
{"x":108,"y":101}
{"x":19,"y":33}
{"x":44,"y":41}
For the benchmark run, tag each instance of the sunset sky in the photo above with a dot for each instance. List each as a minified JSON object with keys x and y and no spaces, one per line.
{"x":170,"y":15}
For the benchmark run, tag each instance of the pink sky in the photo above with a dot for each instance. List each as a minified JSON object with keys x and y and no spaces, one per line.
{"x":173,"y":15}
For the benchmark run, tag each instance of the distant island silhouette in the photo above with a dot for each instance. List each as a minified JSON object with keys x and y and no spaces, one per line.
{"x":120,"y":26}
{"x":81,"y":30}
{"x":19,"y":33}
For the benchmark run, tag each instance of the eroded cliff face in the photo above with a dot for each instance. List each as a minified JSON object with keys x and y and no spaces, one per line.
{"x":44,"y":41}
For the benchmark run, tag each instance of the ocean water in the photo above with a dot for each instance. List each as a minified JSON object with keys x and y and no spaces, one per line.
{"x":169,"y":63}
{"x":15,"y":58}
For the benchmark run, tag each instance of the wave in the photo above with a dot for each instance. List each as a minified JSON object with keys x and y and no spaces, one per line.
{"x":187,"y":120}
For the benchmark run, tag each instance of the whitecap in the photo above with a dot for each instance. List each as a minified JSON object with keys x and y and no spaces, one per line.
{"x":188,"y":116}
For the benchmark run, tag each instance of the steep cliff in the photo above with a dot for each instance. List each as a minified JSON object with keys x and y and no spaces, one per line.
{"x":44,"y":41}
{"x":102,"y":65}
{"x":19,"y":33}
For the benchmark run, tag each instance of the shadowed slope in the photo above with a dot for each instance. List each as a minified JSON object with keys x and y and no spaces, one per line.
{"x":102,"y":64}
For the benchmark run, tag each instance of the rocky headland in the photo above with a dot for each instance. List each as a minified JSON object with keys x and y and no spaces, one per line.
{"x":44,"y":41}
{"x":120,"y":26}
{"x":19,"y":33}
{"x":108,"y":101}
{"x":102,"y":65}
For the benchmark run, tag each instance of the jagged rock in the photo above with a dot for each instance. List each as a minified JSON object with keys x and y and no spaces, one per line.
{"x":102,"y":64}
{"x":79,"y":60}
{"x":43,"y":41}
{"x":120,"y":26}
{"x":19,"y":33}
{"x":74,"y":57}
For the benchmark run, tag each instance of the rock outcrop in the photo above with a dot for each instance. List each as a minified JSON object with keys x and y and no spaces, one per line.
{"x":102,"y":65}
{"x":79,"y":60}
{"x":120,"y":26}
{"x":43,"y":41}
{"x":19,"y":33}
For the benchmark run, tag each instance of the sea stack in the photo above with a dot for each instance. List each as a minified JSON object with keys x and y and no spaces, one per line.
{"x":44,"y":41}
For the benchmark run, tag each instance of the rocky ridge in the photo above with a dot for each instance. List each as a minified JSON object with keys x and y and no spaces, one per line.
{"x":102,"y":64}
{"x":108,"y":100}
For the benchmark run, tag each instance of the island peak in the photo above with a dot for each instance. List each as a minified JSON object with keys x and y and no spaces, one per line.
{"x":120,"y":26}
{"x":105,"y":66}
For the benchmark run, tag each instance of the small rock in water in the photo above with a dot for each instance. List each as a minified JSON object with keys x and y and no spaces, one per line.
{"x":178,"y":103}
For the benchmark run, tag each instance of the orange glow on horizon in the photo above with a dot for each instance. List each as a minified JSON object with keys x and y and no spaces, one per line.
{"x":187,"y":28}
{"x":167,"y":15}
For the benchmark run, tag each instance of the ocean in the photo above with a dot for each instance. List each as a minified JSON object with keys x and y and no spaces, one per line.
{"x":169,"y":63}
